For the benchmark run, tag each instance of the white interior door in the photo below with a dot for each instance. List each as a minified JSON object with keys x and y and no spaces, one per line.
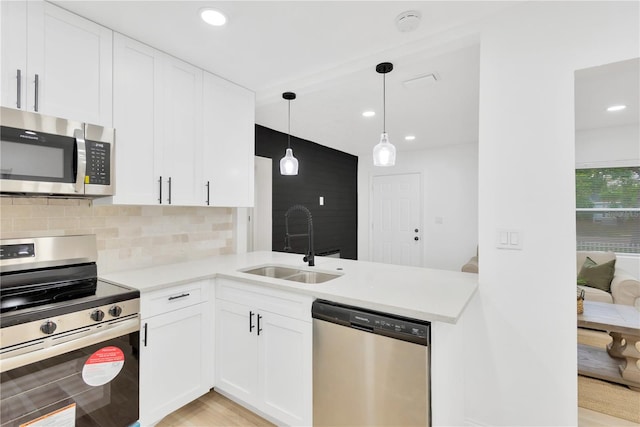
{"x":261,"y":221}
{"x":396,"y":234}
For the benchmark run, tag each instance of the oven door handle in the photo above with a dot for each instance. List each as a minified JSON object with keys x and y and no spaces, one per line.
{"x":117,"y":330}
{"x":81,"y":152}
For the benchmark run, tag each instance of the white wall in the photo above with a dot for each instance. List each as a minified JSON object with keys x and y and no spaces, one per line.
{"x":611,"y":146}
{"x":449,"y":181}
{"x":522,"y":331}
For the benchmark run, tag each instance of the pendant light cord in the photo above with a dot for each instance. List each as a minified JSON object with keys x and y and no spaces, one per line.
{"x":289,"y":127}
{"x":384,"y":103}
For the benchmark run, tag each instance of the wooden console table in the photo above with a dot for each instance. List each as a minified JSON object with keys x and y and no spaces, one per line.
{"x":618,"y":363}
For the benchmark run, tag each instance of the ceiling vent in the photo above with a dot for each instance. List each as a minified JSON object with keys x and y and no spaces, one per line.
{"x":408,"y":21}
{"x":421,"y":81}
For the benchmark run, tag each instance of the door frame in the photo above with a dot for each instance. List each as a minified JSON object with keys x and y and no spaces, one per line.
{"x":421,"y":198}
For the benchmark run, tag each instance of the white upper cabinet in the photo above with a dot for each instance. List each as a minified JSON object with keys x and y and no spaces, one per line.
{"x":184,"y":136}
{"x":56,"y":62}
{"x":137,"y":117}
{"x":182,"y":150}
{"x":229,"y":128}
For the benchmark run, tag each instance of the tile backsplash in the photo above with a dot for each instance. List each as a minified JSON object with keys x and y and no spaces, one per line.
{"x":127,"y":236}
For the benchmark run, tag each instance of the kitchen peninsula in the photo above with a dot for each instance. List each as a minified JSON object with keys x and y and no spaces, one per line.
{"x":220,"y":303}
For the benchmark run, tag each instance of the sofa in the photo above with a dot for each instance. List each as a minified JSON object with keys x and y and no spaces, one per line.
{"x":471,"y":266}
{"x":625,"y":289}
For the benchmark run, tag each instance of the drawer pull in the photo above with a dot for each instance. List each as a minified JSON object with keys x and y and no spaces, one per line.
{"x":178,"y":296}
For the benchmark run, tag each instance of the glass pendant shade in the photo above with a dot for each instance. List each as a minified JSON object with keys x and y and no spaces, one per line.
{"x":289,"y":164}
{"x":384,"y":154}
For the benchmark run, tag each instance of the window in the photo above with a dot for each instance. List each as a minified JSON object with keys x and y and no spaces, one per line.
{"x":608,"y":209}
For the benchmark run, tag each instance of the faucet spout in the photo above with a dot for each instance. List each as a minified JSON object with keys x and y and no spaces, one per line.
{"x":310,"y":257}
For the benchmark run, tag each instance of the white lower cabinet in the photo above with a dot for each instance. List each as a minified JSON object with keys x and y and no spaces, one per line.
{"x":176,"y":340}
{"x":263,"y":350}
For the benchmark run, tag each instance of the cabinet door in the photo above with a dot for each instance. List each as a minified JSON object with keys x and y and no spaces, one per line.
{"x":172,"y":364}
{"x":228,"y":152}
{"x":285,"y":368}
{"x":72,"y":59}
{"x":13,"y":45}
{"x":137,"y":101}
{"x":182,"y":148}
{"x":236,"y":357}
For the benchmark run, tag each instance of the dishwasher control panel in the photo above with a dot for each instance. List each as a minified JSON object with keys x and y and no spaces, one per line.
{"x":412,"y":330}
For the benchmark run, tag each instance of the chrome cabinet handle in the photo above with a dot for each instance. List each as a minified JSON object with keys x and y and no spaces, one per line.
{"x":19,"y":91}
{"x":169,"y":199}
{"x":178,"y":296}
{"x":251,"y":314}
{"x":208,"y":188}
{"x":160,"y":193}
{"x":37,"y":86}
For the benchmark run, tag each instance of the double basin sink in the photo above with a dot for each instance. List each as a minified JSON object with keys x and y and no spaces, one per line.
{"x":292,"y":274}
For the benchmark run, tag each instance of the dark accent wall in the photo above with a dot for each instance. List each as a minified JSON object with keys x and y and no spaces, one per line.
{"x":325,"y":172}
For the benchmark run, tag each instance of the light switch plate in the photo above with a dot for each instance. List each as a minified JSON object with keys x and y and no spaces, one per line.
{"x":509,"y":239}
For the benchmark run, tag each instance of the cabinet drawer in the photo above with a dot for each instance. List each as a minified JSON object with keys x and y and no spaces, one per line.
{"x":174,"y":298}
{"x":287,"y":304}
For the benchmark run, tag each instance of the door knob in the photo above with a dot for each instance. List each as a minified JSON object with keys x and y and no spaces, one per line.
{"x":416,"y":238}
{"x":416,"y":230}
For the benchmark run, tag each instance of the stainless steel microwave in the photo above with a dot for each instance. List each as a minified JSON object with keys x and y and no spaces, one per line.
{"x":44,"y":155}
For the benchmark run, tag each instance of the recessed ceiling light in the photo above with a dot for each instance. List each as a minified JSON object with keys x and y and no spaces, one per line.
{"x":213,"y":17}
{"x":410,"y":138}
{"x":616,"y":108}
{"x":368,"y":113}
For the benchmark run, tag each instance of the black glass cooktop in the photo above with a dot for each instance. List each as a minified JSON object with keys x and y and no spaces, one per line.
{"x":39,"y":294}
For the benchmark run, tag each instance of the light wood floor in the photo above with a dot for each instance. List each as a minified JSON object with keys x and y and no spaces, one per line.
{"x":213,"y":409}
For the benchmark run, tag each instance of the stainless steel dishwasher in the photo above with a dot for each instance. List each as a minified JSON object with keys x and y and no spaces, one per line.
{"x":369,"y":368}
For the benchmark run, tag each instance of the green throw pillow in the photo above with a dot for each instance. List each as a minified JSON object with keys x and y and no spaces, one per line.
{"x":597,"y":275}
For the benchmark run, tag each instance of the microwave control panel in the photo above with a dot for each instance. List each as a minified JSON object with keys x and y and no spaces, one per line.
{"x":98,"y":163}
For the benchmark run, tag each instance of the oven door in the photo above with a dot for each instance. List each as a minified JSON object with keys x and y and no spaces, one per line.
{"x":41,"y":154}
{"x":94,"y":384}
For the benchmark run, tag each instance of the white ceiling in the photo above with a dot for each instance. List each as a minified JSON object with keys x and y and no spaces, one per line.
{"x":326,"y":52}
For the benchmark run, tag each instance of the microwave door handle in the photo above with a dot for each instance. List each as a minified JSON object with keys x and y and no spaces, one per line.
{"x":82,"y":160}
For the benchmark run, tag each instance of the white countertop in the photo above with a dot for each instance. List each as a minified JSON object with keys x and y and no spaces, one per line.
{"x":420,"y":293}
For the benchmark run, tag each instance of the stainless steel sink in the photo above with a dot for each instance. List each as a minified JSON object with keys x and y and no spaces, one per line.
{"x":293,"y":274}
{"x":275,"y":271}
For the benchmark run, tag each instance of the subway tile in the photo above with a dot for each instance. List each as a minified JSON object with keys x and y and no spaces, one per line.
{"x":46,"y":211}
{"x":63,"y":202}
{"x":6,"y":200}
{"x":16,"y":211}
{"x":29,"y":201}
{"x":63,"y":223}
{"x":30,"y":224}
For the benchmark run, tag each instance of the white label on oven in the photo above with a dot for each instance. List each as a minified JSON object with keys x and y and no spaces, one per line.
{"x":103,"y":366}
{"x":63,"y":417}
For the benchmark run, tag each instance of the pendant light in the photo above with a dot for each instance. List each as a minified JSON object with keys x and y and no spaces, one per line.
{"x":289,"y":164}
{"x":384,"y":154}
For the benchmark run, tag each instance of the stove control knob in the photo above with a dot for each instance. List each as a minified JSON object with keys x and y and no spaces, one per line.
{"x":115,"y":311}
{"x":97,"y":315}
{"x":48,"y":327}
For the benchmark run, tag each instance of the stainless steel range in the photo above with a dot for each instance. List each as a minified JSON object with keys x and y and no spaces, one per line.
{"x":68,"y":341}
